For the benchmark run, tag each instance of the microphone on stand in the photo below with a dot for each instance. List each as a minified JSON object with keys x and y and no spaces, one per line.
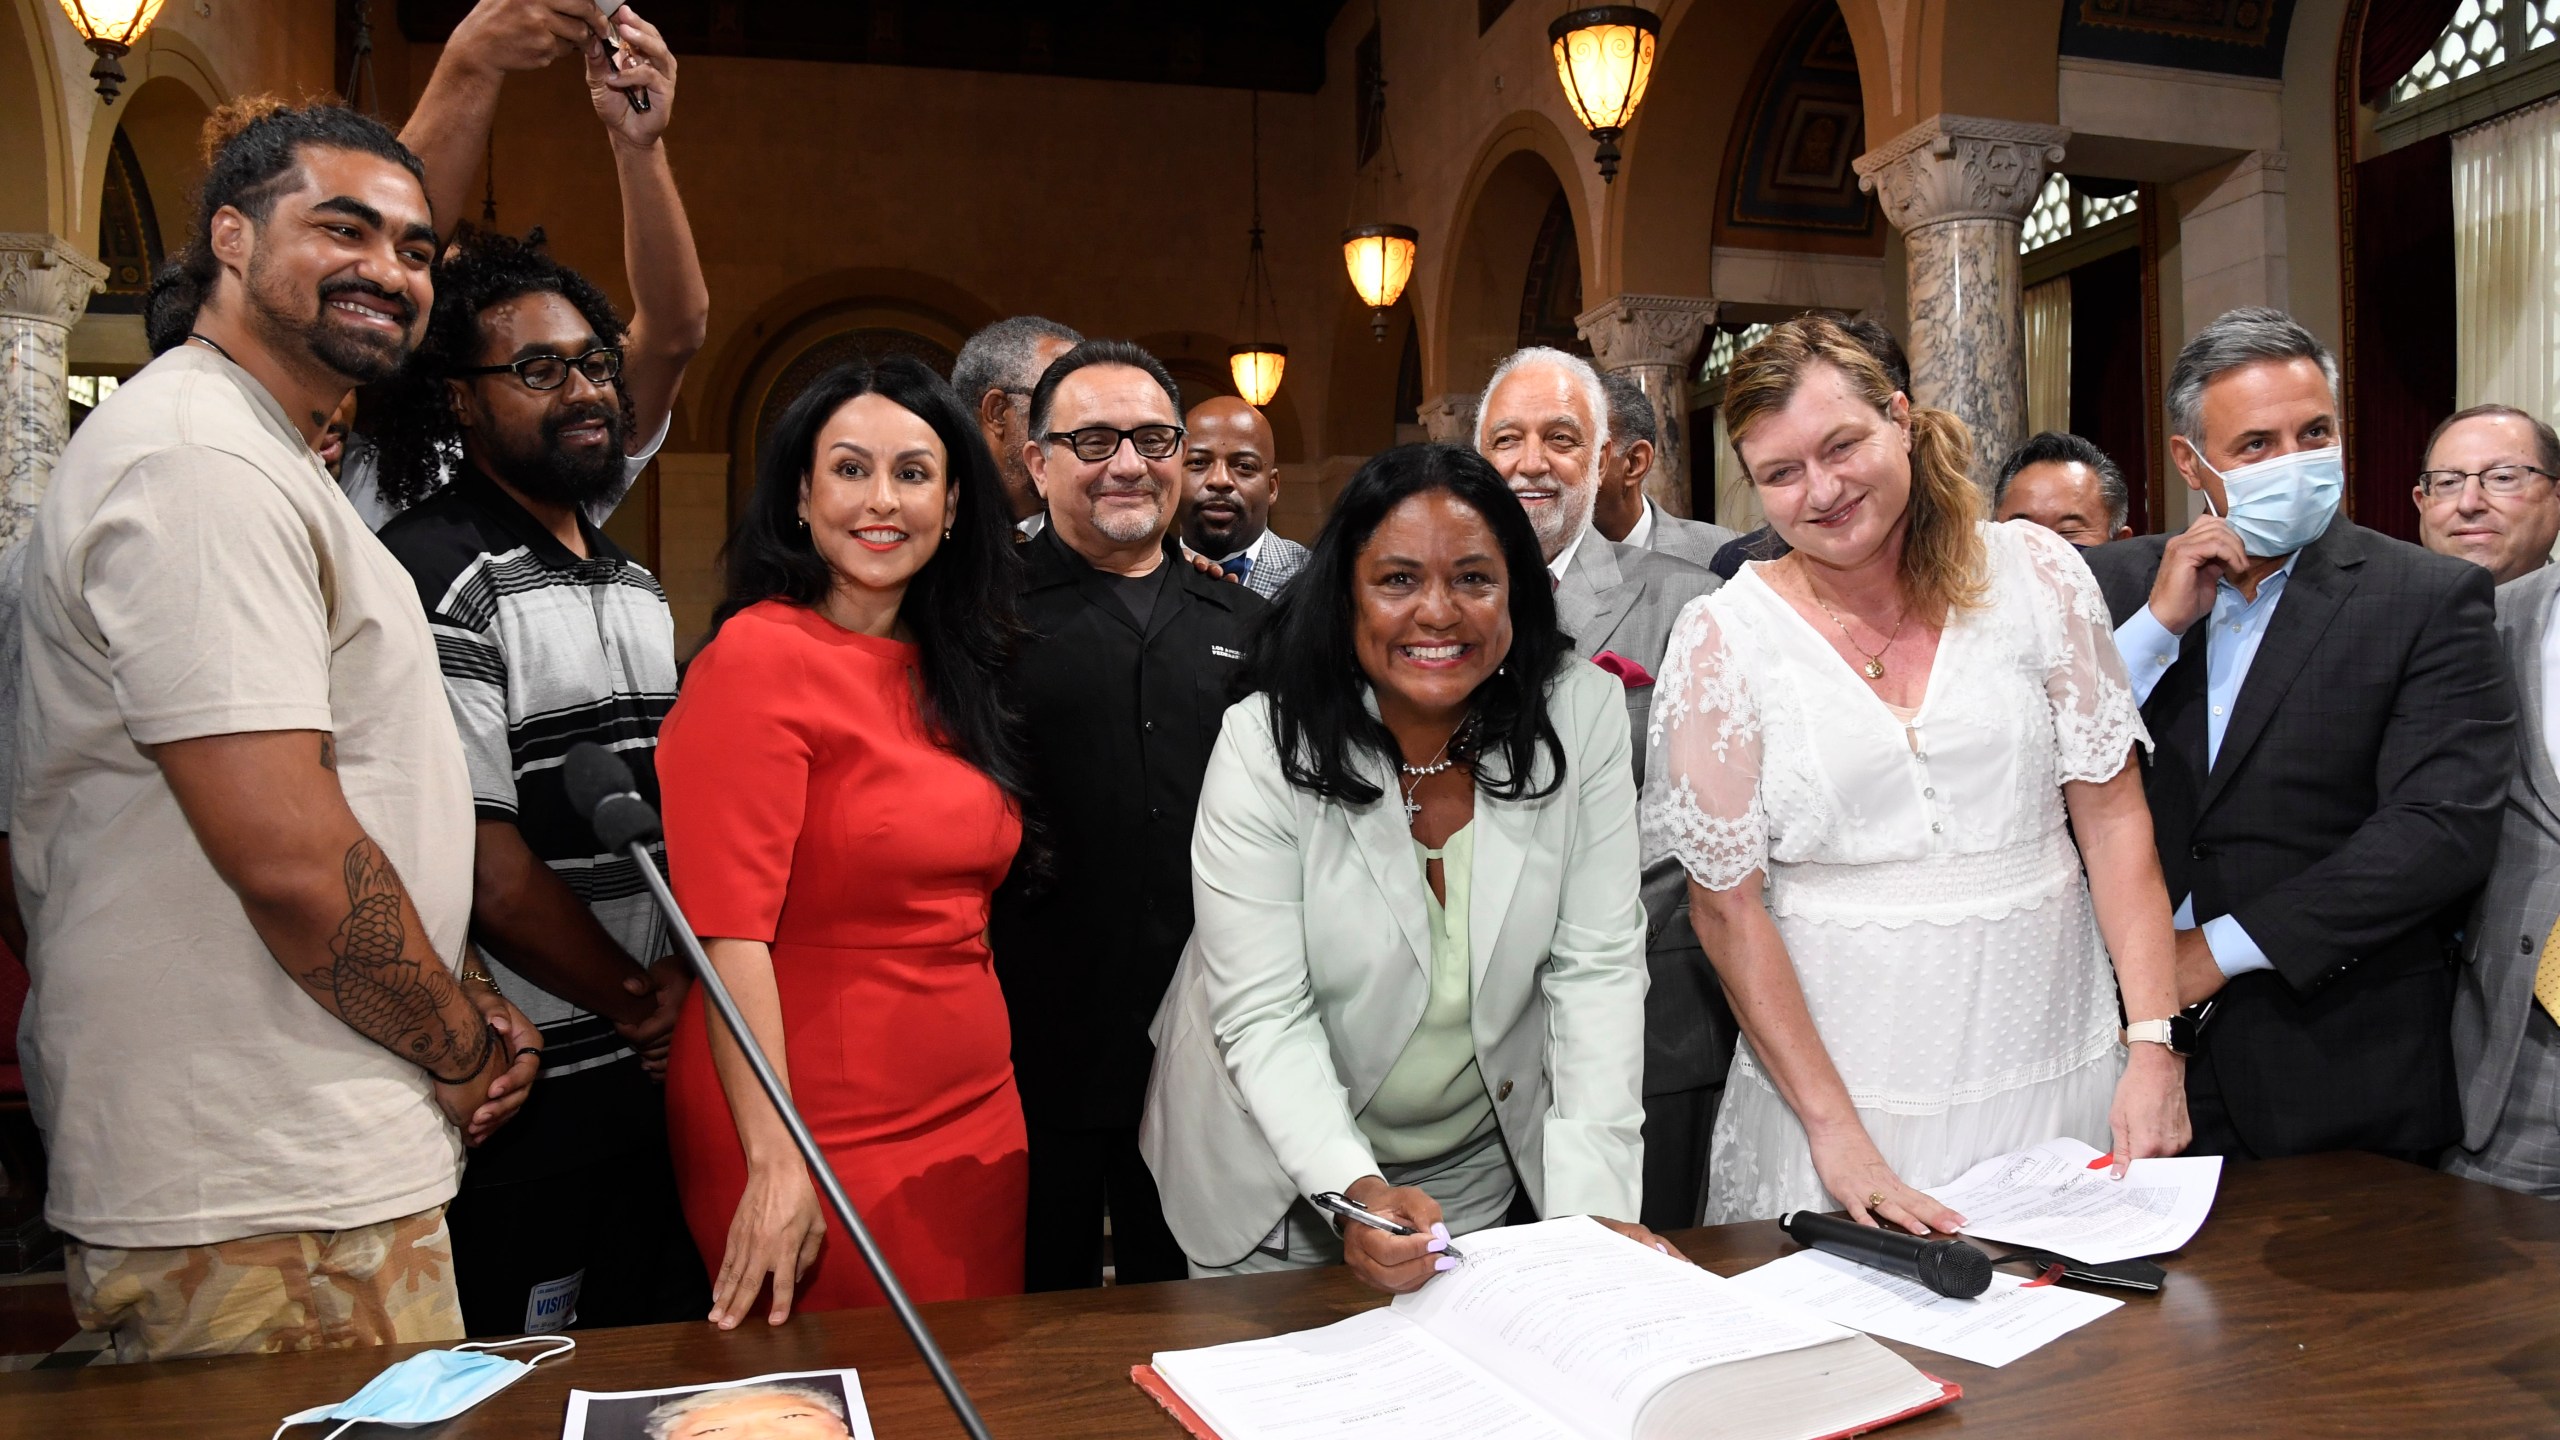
{"x":1949,"y":1267}
{"x":601,"y":787}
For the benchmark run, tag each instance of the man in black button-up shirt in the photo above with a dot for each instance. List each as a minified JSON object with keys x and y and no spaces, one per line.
{"x":1121,"y":685}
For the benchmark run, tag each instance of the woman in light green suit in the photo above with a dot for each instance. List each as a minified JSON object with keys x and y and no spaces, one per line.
{"x":1417,"y":972}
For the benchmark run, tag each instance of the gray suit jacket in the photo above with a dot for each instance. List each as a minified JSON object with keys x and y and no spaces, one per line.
{"x":1281,"y":559}
{"x":1695,"y":541}
{"x":1620,"y":599}
{"x":2503,"y":943}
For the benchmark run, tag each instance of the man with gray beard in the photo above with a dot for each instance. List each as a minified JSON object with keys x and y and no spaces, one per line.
{"x":1544,"y":422}
{"x":1121,"y":685}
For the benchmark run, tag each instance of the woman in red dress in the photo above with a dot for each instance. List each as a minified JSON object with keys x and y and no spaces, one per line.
{"x":838,"y":778}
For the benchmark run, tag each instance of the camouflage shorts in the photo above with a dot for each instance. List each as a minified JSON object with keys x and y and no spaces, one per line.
{"x":299,"y":1290}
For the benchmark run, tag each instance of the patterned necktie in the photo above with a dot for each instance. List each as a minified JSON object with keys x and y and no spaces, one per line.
{"x":2546,"y":975}
{"x":1240,"y":566}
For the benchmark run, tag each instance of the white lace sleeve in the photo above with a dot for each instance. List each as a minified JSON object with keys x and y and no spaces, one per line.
{"x":1702,"y":758}
{"x":2096,"y":719}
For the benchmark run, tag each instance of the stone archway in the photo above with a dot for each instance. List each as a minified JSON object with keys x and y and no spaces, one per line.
{"x":153,"y":165}
{"x":1483,"y":282}
{"x":32,"y":185}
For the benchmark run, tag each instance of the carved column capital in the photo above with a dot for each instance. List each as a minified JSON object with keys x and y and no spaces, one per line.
{"x":1633,"y":330}
{"x":1450,"y":419}
{"x":1961,"y":167}
{"x":44,"y":280}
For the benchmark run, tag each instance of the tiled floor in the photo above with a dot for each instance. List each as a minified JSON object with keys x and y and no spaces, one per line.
{"x":36,"y":1328}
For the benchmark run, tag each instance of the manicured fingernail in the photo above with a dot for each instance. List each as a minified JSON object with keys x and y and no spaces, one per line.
{"x":1658,"y":1245}
{"x":1444,"y":1263}
{"x":1436,"y":1246}
{"x":1439,"y":1232}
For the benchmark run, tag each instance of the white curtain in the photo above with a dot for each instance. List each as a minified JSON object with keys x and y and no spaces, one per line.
{"x":2048,"y":357}
{"x":2506,"y":276}
{"x":1737,"y":504}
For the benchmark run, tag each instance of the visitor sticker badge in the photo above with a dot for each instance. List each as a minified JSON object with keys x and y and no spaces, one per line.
{"x":553,"y":1305}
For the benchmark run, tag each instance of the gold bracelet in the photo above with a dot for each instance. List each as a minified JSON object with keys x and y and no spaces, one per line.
{"x":473,"y":970}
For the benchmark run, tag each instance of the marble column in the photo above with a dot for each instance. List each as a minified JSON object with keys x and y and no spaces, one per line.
{"x":44,"y":285}
{"x":1450,"y":419}
{"x":1652,"y":340}
{"x":1959,"y":187}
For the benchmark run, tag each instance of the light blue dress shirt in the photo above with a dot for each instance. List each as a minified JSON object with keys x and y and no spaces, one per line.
{"x":2230,"y":647}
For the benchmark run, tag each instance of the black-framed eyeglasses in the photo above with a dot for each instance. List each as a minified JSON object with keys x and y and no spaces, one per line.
{"x":601,"y":366}
{"x":1101,"y":442}
{"x":2501,"y":480}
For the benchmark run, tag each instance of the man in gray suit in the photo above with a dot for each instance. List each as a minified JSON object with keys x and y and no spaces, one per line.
{"x":1621,"y":510}
{"x":2506,"y":1048}
{"x":1230,"y":476}
{"x":1544,"y":422}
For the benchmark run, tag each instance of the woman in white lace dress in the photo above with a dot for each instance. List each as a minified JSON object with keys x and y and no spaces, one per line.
{"x":1865,"y":754}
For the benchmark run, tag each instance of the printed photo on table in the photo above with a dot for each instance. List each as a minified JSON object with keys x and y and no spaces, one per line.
{"x":799,"y":1405}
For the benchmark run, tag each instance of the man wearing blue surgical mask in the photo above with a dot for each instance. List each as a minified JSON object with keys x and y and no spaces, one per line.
{"x":2331,"y":716}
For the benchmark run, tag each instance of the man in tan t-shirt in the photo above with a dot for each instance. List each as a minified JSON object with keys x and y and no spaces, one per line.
{"x":243,"y":830}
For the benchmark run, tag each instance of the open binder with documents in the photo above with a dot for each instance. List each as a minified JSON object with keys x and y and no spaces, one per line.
{"x":1556,"y":1331}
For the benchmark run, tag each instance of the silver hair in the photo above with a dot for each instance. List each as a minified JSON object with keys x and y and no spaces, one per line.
{"x":1595,"y":396}
{"x":662,"y":1420}
{"x":1001,"y":357}
{"x":2239,"y":337}
{"x":1630,"y":411}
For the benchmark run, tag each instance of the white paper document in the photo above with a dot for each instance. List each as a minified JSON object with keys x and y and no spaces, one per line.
{"x":2011,"y":1319}
{"x":1555,"y":1331}
{"x":1373,"y":1374}
{"x":1589,"y":1325}
{"x":2050,"y":1198}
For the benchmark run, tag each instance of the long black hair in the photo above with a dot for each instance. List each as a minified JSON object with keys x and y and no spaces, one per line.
{"x":1305,"y":660}
{"x":409,"y":417}
{"x":960,"y":605}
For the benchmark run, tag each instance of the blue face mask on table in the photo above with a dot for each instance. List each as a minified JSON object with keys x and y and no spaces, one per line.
{"x":2280,"y":505}
{"x":432,"y":1385}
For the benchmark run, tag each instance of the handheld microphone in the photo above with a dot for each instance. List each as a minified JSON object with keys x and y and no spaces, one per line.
{"x":1950,"y":1267}
{"x":601,"y":788}
{"x":600,"y":785}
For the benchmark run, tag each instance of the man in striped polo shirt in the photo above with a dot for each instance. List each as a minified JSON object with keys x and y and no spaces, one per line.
{"x":549,"y":635}
{"x":510,"y":440}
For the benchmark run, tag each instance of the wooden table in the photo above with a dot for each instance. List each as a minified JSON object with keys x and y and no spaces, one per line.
{"x":2340,"y":1295}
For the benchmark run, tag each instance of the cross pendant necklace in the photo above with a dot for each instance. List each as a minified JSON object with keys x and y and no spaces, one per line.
{"x":1418,"y":773}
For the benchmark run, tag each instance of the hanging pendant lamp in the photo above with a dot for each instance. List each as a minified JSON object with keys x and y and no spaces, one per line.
{"x":1258,"y":363}
{"x":1379,"y":254}
{"x":1604,"y":56}
{"x":112,"y":28}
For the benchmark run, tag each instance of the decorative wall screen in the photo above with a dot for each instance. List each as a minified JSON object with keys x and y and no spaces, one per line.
{"x":2063,"y":209}
{"x":2474,"y":41}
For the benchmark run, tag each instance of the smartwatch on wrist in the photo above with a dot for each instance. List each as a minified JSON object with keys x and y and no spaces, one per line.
{"x":2177,"y":1034}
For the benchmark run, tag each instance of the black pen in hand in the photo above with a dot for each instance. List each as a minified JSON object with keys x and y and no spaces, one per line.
{"x":639,"y":97}
{"x":1350,"y":1209}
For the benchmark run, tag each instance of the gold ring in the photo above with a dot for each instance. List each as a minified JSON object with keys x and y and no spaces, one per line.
{"x":1874,"y":1198}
